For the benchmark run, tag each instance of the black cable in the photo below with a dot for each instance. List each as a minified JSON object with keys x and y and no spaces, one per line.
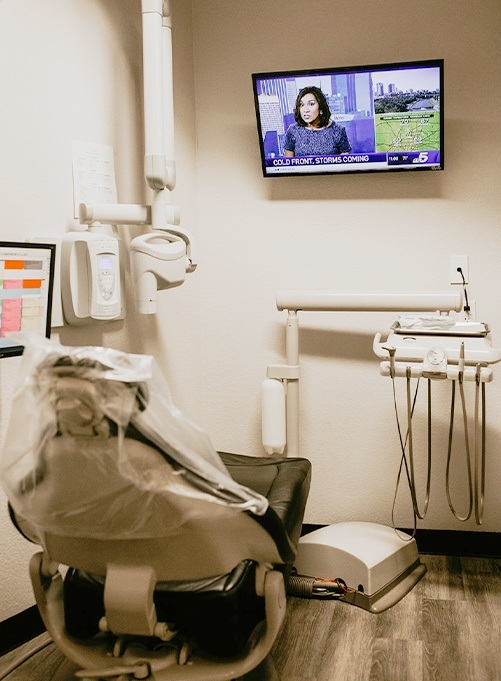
{"x":466,"y":307}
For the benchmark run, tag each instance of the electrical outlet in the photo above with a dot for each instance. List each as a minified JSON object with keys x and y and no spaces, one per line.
{"x":462,"y":262}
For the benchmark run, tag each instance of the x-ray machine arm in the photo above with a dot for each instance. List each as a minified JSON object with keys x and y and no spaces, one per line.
{"x":159,"y":259}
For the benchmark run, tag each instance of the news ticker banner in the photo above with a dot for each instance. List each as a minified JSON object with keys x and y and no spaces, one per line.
{"x":351,"y":161}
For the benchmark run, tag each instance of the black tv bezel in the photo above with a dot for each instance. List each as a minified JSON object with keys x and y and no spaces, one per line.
{"x":16,"y":350}
{"x":387,"y":66}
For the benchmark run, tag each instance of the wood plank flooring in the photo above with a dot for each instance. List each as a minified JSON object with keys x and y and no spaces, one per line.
{"x":447,"y":629}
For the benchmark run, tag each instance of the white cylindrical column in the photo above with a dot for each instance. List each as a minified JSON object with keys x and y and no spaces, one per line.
{"x":273,"y":416}
{"x":292,"y":358}
{"x":168,"y":96}
{"x":153,"y":81}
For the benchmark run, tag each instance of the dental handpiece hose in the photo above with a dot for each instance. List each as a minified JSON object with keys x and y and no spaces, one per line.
{"x":463,"y":518}
{"x":461,"y":362}
{"x":479,"y":482}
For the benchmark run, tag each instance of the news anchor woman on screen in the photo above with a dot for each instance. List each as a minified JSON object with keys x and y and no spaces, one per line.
{"x":314,"y":133}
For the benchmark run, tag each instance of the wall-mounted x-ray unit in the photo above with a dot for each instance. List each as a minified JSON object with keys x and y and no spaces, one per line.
{"x":161,"y":258}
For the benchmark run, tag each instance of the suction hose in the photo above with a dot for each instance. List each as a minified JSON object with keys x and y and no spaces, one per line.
{"x":300,"y":586}
{"x":303,"y":586}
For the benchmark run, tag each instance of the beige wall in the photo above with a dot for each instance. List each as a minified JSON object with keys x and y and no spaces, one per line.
{"x":72,"y":70}
{"x":362,"y":232}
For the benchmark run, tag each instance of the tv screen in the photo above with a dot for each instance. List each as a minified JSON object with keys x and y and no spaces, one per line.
{"x":381,"y":117}
{"x":26,"y":286}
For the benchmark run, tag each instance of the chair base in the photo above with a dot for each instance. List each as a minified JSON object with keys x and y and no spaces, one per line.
{"x":117,"y":658}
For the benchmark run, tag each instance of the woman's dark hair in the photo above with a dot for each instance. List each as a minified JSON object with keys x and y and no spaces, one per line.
{"x":324,"y":111}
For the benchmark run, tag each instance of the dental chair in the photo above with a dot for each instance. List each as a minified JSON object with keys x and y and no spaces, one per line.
{"x":160,"y":559}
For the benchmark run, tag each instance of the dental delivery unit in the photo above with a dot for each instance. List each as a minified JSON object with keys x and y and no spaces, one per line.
{"x":369,"y":565}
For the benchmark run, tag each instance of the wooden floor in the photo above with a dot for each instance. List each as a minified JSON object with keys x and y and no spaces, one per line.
{"x":447,"y":629}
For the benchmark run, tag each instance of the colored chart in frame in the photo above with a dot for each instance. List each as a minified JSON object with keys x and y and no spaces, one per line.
{"x":26,"y":282}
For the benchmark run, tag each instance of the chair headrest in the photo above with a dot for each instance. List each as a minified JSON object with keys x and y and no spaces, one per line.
{"x":107,"y":421}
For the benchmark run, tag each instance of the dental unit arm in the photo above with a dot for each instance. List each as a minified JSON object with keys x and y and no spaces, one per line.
{"x":159,"y":259}
{"x":382,"y":561}
{"x":429,"y":340}
{"x":379,"y":565}
{"x":281,"y":387}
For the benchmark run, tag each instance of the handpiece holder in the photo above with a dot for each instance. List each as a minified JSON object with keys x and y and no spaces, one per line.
{"x":158,"y":262}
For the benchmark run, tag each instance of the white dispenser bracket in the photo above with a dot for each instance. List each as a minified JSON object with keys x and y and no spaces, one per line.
{"x":91,"y":278}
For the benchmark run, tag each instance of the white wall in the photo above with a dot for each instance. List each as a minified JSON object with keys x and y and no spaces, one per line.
{"x":363,"y":232}
{"x":71,"y":70}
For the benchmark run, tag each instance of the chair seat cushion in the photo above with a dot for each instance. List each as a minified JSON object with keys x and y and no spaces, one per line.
{"x":218,"y":614}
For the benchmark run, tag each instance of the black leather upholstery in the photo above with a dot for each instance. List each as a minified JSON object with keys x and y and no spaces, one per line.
{"x":218,"y":614}
{"x":285,"y":483}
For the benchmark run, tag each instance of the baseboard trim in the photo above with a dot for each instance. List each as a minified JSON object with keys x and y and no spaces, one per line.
{"x":449,"y":542}
{"x":20,"y":628}
{"x":458,"y":543}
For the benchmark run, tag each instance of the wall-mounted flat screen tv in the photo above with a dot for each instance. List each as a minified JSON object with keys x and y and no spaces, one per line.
{"x":380,"y":117}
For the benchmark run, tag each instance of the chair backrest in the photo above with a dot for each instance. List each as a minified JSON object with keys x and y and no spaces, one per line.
{"x":99,"y":483}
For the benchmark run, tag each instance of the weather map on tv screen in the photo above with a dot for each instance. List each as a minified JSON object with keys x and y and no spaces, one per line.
{"x":351,"y":119}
